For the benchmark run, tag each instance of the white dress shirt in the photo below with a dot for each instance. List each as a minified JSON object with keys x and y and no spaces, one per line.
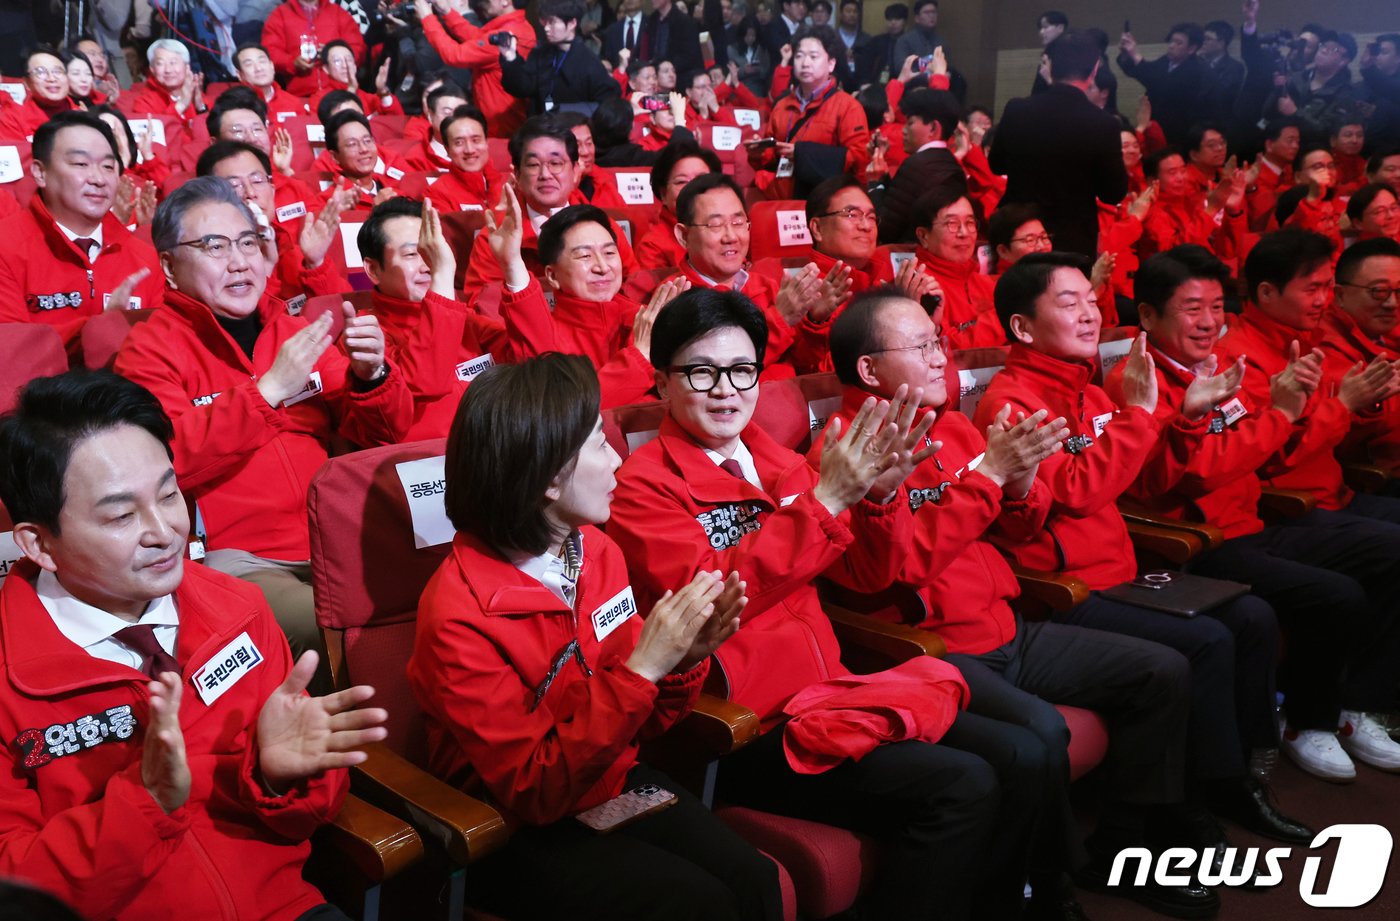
{"x":93,"y":628}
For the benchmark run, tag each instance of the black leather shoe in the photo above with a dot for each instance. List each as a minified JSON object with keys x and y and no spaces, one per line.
{"x":1251,"y":807}
{"x":1198,"y":829}
{"x":1191,"y":902}
{"x":1054,"y":902}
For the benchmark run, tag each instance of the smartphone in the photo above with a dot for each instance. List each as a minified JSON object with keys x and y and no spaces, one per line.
{"x":626,"y":808}
{"x":1127,"y":25}
{"x":656,"y":103}
{"x":704,"y":37}
{"x":761,"y":143}
{"x":924,"y":62}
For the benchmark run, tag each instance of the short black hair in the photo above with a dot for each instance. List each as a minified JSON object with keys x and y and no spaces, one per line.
{"x":1193,"y":32}
{"x":335,"y":99}
{"x":1153,"y":161}
{"x":542,"y":126}
{"x":873,"y":100}
{"x":692,"y":314}
{"x":1221,"y":29}
{"x":248,"y":46}
{"x":819,"y":199}
{"x":219,"y":151}
{"x":1373,"y":163}
{"x":612,"y":124}
{"x":826,"y":35}
{"x":1006,"y":220}
{"x":1021,"y":285}
{"x":1307,"y":148}
{"x":551,"y":242}
{"x":1073,"y":55}
{"x":1053,"y":18}
{"x":41,"y":48}
{"x":1288,"y":202}
{"x":54,"y":414}
{"x":920,"y":4}
{"x":853,"y":332}
{"x":896,"y":11}
{"x":468,"y":112}
{"x":1274,"y":127}
{"x":933,"y":107}
{"x":1159,"y":276}
{"x":340,"y":120}
{"x":517,"y":428}
{"x":938,"y":198}
{"x":333,"y":43}
{"x":1352,"y":257}
{"x":1196,"y":134}
{"x":46,"y":135}
{"x":1283,"y":255}
{"x":1362,"y":198}
{"x":108,"y":109}
{"x":371,"y":240}
{"x":563,"y":10}
{"x":685,"y":202}
{"x":444,"y":89}
{"x":672,"y":154}
{"x":235,"y":97}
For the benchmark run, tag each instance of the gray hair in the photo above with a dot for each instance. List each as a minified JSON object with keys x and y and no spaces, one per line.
{"x":170,"y":213}
{"x":167,"y":44}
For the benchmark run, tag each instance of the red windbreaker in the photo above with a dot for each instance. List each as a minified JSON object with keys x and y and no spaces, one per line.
{"x":1084,"y":535}
{"x":763,"y":291}
{"x":483,"y":270}
{"x":658,"y":248}
{"x":487,"y":637}
{"x":456,"y":190}
{"x":968,"y":317}
{"x":75,"y":817}
{"x":282,"y":34}
{"x":247,"y":464}
{"x":371,"y":103}
{"x":22,"y":119}
{"x":150,"y":98}
{"x":832,"y":128}
{"x":281,"y":105}
{"x":1375,"y":432}
{"x":676,"y":512}
{"x":427,"y":156}
{"x":469,"y":46}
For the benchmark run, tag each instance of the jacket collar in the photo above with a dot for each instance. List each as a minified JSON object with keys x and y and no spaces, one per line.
{"x":58,"y":240}
{"x":1275,"y":334}
{"x":498,"y":585}
{"x":706,"y":482}
{"x":206,"y":328}
{"x":1055,"y":375}
{"x":1345,"y":327}
{"x":958,"y":271}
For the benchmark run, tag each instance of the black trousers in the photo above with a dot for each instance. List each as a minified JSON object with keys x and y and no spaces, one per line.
{"x":680,"y":863}
{"x":323,"y":913}
{"x":956,"y":819}
{"x":1232,"y":652}
{"x":1334,"y":579}
{"x":1142,"y":689}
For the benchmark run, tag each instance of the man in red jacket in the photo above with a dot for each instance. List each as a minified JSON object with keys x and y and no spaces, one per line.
{"x":675,"y":166}
{"x":430,"y":155}
{"x":295,"y":33}
{"x":462,"y":44}
{"x":165,"y":760}
{"x":1362,"y":320}
{"x":255,"y":394}
{"x":240,"y":115}
{"x":256,"y":71}
{"x":46,"y":94}
{"x":1331,"y":577}
{"x":171,"y":88}
{"x":67,"y":258}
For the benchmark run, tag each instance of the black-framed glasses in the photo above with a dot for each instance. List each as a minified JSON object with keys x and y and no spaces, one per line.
{"x":1035,"y":239}
{"x":1378,"y":293}
{"x":938,"y":346}
{"x":218,"y":246}
{"x":704,"y":378}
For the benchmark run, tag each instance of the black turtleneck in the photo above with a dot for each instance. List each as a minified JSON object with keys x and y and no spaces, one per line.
{"x":243,"y":330}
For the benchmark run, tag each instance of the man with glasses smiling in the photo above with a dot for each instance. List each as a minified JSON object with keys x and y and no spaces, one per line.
{"x":355,"y":161}
{"x":1322,"y":92}
{"x":239,"y":114}
{"x":46,"y":94}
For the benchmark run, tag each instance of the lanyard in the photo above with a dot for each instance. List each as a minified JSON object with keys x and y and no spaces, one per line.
{"x":811,"y":109}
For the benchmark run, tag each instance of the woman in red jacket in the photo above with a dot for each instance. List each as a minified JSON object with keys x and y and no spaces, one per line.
{"x":538,"y":676}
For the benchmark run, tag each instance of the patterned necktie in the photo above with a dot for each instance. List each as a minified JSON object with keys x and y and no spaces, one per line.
{"x":732,"y":467}
{"x":141,"y":638}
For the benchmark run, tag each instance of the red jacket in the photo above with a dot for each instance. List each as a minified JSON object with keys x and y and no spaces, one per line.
{"x":150,"y":98}
{"x":44,"y":278}
{"x":247,"y":464}
{"x":675,"y":512}
{"x":282,"y":105}
{"x":75,"y":817}
{"x":1306,"y":462}
{"x":763,"y":291}
{"x":811,"y":353}
{"x":22,"y":119}
{"x":439,"y":346}
{"x":483,"y":270}
{"x":1205,"y":470}
{"x":602,"y":332}
{"x":834,"y":139}
{"x":1119,"y":233}
{"x":1351,"y":172}
{"x":1172,"y":222}
{"x":487,"y":637}
{"x":282,"y":34}
{"x":384,"y":176}
{"x":293,"y":201}
{"x":468,"y":46}
{"x":964,"y":581}
{"x":456,"y":190}
{"x":1084,"y":535}
{"x":1375,"y":432}
{"x":372,"y":103}
{"x":292,"y":278}
{"x":1263,"y":195}
{"x":969,"y":318}
{"x":427,"y":156}
{"x":658,"y":247}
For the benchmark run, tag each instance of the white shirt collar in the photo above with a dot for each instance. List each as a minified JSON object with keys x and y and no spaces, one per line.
{"x":95,"y":235}
{"x":636,"y":20}
{"x":1268,"y":164}
{"x":740,"y":279}
{"x":538,"y":218}
{"x":745,"y":459}
{"x":933,"y":145}
{"x":792,"y":24}
{"x":548,"y":570}
{"x":93,"y":628}
{"x":438,"y":150}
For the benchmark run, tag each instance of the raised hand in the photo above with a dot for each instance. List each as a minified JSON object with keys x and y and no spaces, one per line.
{"x":878,"y":167}
{"x":646,"y":317}
{"x":381,"y":78}
{"x":282,"y":151}
{"x":504,"y":239}
{"x":120,"y":298}
{"x":295,"y":361}
{"x":1016,"y":448}
{"x":1209,"y":390}
{"x":797,"y":291}
{"x":832,"y":292}
{"x":1140,"y":377}
{"x":145,"y":203}
{"x":851,"y":461}
{"x":907,"y":439}
{"x":1366,"y":385}
{"x":938,"y":67}
{"x":363,"y":341}
{"x":319,"y":232}
{"x":915,"y":282}
{"x":1142,"y":205}
{"x":669,"y":631}
{"x":1102,"y":271}
{"x":1143,"y":119}
{"x":435,"y":250}
{"x":1289,"y":390}
{"x":124,"y":203}
{"x":300,"y":736}
{"x":785,"y":55}
{"x":165,"y":772}
{"x":720,"y":625}
{"x":909,"y":69}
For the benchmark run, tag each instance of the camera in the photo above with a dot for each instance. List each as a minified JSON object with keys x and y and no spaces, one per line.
{"x":500,"y":39}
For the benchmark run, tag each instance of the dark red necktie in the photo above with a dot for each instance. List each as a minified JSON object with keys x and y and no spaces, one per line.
{"x":732,"y":467}
{"x":85,"y":244}
{"x":630,"y":43}
{"x":154,"y":660}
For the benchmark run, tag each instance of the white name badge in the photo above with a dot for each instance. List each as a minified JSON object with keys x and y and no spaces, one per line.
{"x":725,"y":137}
{"x":294,"y":210}
{"x":785,"y":501}
{"x":350,"y":244}
{"x":820,"y":411}
{"x":316,"y":133}
{"x":466,"y":207}
{"x":313,"y":387}
{"x":613,"y":613}
{"x":792,"y":228}
{"x":747,"y":118}
{"x":1101,"y":423}
{"x":11,"y":167}
{"x":424,"y":482}
{"x":9,"y":554}
{"x":152,"y":126}
{"x":469,"y":370}
{"x":972,"y":386}
{"x":395,"y":173}
{"x":635,"y":188}
{"x":295,"y":304}
{"x":1111,"y":353}
{"x":971,"y":465}
{"x":1234,"y":411}
{"x":226,"y":668}
{"x":18,"y":91}
{"x":897,"y":260}
{"x":636,"y":439}
{"x":784,"y":168}
{"x":283,"y":116}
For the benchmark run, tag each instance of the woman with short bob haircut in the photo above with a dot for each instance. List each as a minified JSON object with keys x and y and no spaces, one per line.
{"x":538,"y":677}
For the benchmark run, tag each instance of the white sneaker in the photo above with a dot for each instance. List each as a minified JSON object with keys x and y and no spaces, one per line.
{"x":1319,"y":753}
{"x":1366,"y":740}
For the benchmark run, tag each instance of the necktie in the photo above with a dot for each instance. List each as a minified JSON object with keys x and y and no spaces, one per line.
{"x":631,"y":40}
{"x":154,"y":660}
{"x":730,"y":466}
{"x":85,"y":244}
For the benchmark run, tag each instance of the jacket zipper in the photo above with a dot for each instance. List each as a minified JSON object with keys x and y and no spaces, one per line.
{"x":92,"y":291}
{"x":217,"y":882}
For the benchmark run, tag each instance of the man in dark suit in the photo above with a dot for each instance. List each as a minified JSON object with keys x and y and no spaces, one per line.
{"x":671,"y":35}
{"x":1173,"y":81}
{"x":877,"y":56}
{"x":1061,"y":152}
{"x":931,"y":117}
{"x":626,"y":32}
{"x":780,"y":29}
{"x":560,"y":71}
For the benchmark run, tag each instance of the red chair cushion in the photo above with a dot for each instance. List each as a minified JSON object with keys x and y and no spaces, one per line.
{"x":1088,"y":739}
{"x":31,"y":350}
{"x":829,"y":866}
{"x":104,"y":334}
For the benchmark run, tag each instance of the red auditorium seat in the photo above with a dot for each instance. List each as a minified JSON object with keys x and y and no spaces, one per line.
{"x":778,"y":229}
{"x":103,"y":335}
{"x":31,"y":350}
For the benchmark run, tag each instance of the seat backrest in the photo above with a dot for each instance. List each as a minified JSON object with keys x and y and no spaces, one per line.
{"x":778,"y":228}
{"x":308,"y":140}
{"x":103,"y":335}
{"x":315,"y":306}
{"x":627,"y":428}
{"x":975,"y":369}
{"x":30,"y":350}
{"x":1114,"y":345}
{"x":377,"y":536}
{"x":346,"y":257}
{"x":782,"y":413}
{"x":460,"y":228}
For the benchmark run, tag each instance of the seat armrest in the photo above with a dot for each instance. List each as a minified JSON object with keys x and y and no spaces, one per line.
{"x":466,"y":828}
{"x":1055,"y":590}
{"x":1283,"y":504}
{"x":713,"y":728}
{"x":1364,"y":477}
{"x":1174,"y":545}
{"x":377,"y":844}
{"x":894,"y":642}
{"x":1208,"y":534}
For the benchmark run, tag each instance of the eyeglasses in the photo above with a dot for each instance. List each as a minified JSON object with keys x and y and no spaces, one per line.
{"x":239,"y":132}
{"x":937,"y":346}
{"x":1039,"y":239}
{"x":241,"y":184}
{"x":1383,"y":211}
{"x":704,"y":378}
{"x":48,"y":73}
{"x":555,"y":167}
{"x":953,"y":225}
{"x":218,"y":246}
{"x":1378,"y":293}
{"x":719,"y":224}
{"x":1329,"y":166}
{"x":355,"y":144}
{"x":854,"y":215}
